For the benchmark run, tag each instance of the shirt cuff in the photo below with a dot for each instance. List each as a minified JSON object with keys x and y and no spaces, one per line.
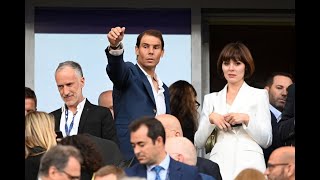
{"x":116,"y":52}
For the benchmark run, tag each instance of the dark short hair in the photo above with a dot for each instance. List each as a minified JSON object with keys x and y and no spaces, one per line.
{"x":270,"y":77}
{"x":151,"y":32}
{"x":29,"y":94}
{"x":155,"y":128}
{"x":239,"y":52}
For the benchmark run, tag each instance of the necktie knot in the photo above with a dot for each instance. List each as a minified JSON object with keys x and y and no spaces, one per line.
{"x":157,"y":169}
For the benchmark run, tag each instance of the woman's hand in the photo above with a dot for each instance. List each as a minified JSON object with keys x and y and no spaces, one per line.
{"x":219,"y":121}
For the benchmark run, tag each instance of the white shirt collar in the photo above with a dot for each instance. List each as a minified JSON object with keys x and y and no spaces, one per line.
{"x":275,"y":112}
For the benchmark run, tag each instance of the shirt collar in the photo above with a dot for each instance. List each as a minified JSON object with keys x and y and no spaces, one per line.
{"x":275,"y":112}
{"x":165,"y":163}
{"x":79,"y":106}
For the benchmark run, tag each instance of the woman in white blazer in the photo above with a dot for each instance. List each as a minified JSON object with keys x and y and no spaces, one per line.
{"x":239,"y":112}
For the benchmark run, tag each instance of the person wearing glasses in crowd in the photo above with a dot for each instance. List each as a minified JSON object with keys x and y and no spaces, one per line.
{"x":184,"y":106}
{"x":62,"y":162}
{"x":281,"y":164}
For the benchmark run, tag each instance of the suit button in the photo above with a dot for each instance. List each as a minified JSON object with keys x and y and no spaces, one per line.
{"x":154,"y":111}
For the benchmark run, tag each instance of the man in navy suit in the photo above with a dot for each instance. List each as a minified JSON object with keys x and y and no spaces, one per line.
{"x":137,"y":89}
{"x":276,"y":85}
{"x":77,"y":114}
{"x":147,"y":137}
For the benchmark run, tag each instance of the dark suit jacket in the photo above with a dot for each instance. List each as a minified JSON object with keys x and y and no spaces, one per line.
{"x":109,"y":150}
{"x":287,"y":122}
{"x":94,"y":120}
{"x":208,"y":167}
{"x":177,"y":171}
{"x":132,"y":98}
{"x":275,"y":139}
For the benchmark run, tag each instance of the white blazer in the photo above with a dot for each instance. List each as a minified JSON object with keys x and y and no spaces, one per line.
{"x":238,"y":148}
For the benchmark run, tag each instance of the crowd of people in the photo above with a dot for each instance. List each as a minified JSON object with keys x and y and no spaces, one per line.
{"x":144,"y":129}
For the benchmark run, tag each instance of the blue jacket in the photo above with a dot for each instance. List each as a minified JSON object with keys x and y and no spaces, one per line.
{"x":132,"y":98}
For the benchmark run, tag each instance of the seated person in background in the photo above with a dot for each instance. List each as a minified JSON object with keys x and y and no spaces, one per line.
{"x":60,"y":162}
{"x":281,"y":164}
{"x":105,"y":100}
{"x":250,"y":174}
{"x":109,"y":172}
{"x":39,"y":138}
{"x":276,"y":85}
{"x":92,"y":157}
{"x":147,"y":137}
{"x":173,"y":129}
{"x":77,"y":114}
{"x":181,"y":149}
{"x":30,"y":100}
{"x":287,"y":122}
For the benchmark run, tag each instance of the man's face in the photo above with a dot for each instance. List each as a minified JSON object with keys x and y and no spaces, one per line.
{"x":275,"y":168}
{"x":70,"y":86}
{"x":29,"y":105}
{"x":144,"y":149}
{"x":149,"y":52}
{"x":278,"y":91}
{"x":71,"y":172}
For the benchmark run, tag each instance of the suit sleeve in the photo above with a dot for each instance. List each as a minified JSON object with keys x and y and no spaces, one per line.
{"x":259,"y":126}
{"x":287,"y":122}
{"x":108,"y":127}
{"x":205,"y":127}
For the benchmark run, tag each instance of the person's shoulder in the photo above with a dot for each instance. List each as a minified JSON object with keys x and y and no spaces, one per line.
{"x":56,"y":111}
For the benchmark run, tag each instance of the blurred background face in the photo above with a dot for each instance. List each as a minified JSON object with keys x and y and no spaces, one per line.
{"x":70,"y":86}
{"x":278,"y":91}
{"x":145,"y":151}
{"x":29,"y":105}
{"x":233,"y":70}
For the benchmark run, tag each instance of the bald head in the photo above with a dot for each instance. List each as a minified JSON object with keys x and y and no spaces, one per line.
{"x":281,"y":164}
{"x":181,"y":149}
{"x":284,"y":154}
{"x":171,"y":125}
{"x":105,"y":100}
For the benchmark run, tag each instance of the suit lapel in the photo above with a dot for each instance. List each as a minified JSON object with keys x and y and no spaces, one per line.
{"x":146,"y":84}
{"x":84,"y":116}
{"x":142,"y":171}
{"x":242,"y":97}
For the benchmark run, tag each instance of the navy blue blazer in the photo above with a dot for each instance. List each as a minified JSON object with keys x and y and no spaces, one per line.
{"x":177,"y":171}
{"x":208,"y":167}
{"x":94,"y":120}
{"x":132,"y":98}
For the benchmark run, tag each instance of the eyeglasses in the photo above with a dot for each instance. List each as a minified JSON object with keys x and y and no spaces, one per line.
{"x":70,"y":176}
{"x":197,"y":104}
{"x":270,"y":166}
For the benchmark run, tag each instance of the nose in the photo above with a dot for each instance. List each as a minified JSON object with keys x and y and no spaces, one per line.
{"x":150,"y":50}
{"x":65,"y":91}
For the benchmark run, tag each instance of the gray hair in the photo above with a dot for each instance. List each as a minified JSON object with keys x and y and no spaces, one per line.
{"x":58,"y":156}
{"x":74,"y":65}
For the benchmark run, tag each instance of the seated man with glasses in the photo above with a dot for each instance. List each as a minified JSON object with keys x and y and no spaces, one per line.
{"x":61,"y":162}
{"x":281,"y":164}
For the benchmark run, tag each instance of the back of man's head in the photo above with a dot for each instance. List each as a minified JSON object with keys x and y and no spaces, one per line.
{"x":182,"y":149}
{"x":171,"y":125}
